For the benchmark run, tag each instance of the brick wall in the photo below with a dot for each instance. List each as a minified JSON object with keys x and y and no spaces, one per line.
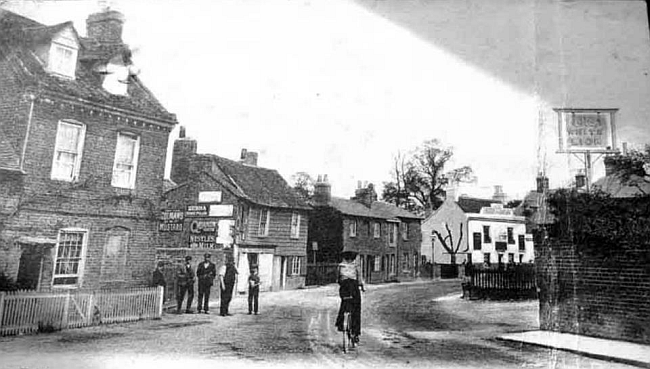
{"x":594,"y":295}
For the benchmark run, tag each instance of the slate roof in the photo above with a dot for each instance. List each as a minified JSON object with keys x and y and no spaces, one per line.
{"x":20,"y":37}
{"x":378,"y":209}
{"x":473,"y":204}
{"x":260,"y":185}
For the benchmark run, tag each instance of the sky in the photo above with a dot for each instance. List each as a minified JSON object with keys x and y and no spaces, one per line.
{"x":318,"y":86}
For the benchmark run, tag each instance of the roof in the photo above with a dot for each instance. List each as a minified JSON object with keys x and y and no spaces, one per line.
{"x":260,"y":185}
{"x":378,"y":209}
{"x":17,"y":50}
{"x":473,"y":204}
{"x":612,"y":185}
{"x":9,"y":160}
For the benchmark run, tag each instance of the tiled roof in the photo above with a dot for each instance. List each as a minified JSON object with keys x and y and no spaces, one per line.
{"x":9,"y":160}
{"x":260,"y":185}
{"x":473,"y":204}
{"x":379,"y":210}
{"x":17,"y":50}
{"x":613,"y":186}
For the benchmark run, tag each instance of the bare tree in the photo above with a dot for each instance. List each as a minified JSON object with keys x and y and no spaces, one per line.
{"x":448,"y":242}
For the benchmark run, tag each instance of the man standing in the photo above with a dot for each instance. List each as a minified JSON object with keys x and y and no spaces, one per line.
{"x":185,"y":277}
{"x":205,"y":272}
{"x":158,"y":279}
{"x":227,"y":277}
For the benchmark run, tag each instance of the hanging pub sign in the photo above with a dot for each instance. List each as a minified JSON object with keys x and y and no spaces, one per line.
{"x":586,"y":130}
{"x":171,"y":221}
{"x":194,"y":211}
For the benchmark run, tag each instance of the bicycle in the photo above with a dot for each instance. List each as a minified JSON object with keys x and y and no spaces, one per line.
{"x":348,"y":336}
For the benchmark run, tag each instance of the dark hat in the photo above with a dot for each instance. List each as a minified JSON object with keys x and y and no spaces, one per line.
{"x":206,"y":255}
{"x":187,"y":258}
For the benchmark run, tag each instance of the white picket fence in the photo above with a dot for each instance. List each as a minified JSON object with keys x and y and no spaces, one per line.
{"x":30,"y":311}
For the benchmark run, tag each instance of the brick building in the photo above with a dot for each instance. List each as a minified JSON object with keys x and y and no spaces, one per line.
{"x":235,"y":207}
{"x":387,"y":238}
{"x":82,"y":156}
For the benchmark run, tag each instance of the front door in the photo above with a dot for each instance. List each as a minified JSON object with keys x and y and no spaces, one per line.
{"x":29,"y":269}
{"x":370,"y":263}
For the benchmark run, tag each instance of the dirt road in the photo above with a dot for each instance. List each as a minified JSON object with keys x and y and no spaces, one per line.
{"x":404,"y":325}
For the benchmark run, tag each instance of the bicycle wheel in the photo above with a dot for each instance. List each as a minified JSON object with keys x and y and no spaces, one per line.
{"x":350,"y":335}
{"x":346,"y":332}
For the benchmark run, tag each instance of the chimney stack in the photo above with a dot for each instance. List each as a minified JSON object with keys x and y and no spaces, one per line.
{"x":499,"y":195}
{"x":184,"y":148}
{"x":365,"y":195}
{"x":248,"y":158}
{"x":609,"y":166}
{"x":322,"y":191}
{"x":105,"y":26}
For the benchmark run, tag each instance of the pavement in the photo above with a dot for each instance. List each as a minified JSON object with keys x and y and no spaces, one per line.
{"x":598,"y":348}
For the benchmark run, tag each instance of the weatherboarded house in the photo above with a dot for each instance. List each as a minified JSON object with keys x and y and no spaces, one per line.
{"x":237,"y":208}
{"x":82,"y":156}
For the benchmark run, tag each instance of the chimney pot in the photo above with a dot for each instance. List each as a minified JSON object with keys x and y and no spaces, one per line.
{"x":322,"y":191}
{"x":181,"y":132}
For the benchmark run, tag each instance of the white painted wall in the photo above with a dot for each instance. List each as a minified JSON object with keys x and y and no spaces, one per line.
{"x":498,"y":225}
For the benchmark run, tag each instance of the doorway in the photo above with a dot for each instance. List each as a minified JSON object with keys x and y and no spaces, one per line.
{"x":30,"y":267}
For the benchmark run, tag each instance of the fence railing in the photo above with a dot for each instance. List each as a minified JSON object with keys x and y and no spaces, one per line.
{"x":514,"y":282}
{"x":30,"y":311}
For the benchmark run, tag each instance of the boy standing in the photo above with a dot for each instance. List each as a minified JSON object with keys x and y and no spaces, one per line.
{"x":253,"y":291}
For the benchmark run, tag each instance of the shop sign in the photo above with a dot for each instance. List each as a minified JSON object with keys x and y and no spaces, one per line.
{"x":172,"y":221}
{"x":223,"y":211}
{"x":210,"y":196}
{"x":203,"y":241}
{"x":194,"y":211}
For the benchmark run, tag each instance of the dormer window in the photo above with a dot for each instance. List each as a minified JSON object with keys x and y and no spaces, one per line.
{"x":62,"y":59}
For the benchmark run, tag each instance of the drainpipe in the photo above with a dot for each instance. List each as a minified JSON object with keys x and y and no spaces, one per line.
{"x":31,"y":97}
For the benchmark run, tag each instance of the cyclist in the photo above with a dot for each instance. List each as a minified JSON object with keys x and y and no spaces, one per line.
{"x":350,"y":281}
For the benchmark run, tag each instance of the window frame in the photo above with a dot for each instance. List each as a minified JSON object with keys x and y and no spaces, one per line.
{"x":79,"y":151}
{"x":353,"y":228}
{"x":405,"y":231}
{"x":377,"y":261}
{"x":264,"y":232}
{"x":56,"y":63}
{"x":136,"y":156}
{"x":487,"y":238}
{"x":511,"y":235}
{"x":392,"y":234}
{"x":295,"y":226}
{"x":376,"y":231}
{"x":296,"y":265}
{"x":522,"y":242}
{"x":477,"y":236}
{"x":487,"y":258}
{"x":81,"y":261}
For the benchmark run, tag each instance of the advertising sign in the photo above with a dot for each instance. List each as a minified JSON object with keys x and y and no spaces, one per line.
{"x":221,"y":211}
{"x":210,"y":196}
{"x":203,"y":233}
{"x":193,"y":211}
{"x":583,"y":130}
{"x":171,"y":221}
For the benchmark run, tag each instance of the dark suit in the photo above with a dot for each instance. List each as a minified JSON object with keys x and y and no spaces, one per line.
{"x":206,"y":275}
{"x":185,"y":277}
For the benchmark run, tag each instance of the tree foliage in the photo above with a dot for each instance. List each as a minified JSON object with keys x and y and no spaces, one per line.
{"x":419,"y":178}
{"x":303,"y":184}
{"x":632,"y":168}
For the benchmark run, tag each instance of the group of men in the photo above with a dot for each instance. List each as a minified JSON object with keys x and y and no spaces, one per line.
{"x":206,"y":272}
